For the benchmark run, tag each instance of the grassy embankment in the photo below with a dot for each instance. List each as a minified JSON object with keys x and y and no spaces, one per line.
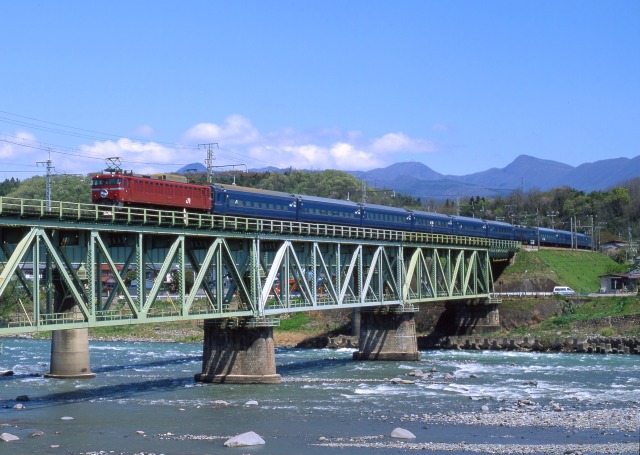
{"x":575,"y":315}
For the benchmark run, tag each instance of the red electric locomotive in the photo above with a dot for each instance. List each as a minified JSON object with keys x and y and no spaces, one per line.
{"x":163,"y":190}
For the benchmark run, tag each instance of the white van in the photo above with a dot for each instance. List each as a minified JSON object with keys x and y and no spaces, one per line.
{"x":563,"y":290}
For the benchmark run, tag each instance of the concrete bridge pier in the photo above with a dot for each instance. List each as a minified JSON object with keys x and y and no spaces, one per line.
{"x":69,"y":347}
{"x":387,"y":334}
{"x":476,"y":317}
{"x":238,"y":353}
{"x":70,"y":354}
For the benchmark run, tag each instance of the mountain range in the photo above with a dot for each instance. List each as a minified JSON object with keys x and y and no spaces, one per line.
{"x":524,"y":173}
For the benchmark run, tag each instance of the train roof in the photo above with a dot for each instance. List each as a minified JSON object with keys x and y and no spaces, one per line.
{"x":385,"y":207}
{"x":326,"y":200}
{"x":246,"y":189}
{"x":501,"y":223}
{"x":432,"y":215}
{"x":174,"y":178}
{"x":469,"y":219}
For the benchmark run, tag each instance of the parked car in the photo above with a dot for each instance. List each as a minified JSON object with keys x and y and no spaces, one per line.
{"x":563,"y":290}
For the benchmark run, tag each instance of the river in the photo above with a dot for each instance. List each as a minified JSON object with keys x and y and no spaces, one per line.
{"x":144,"y":401}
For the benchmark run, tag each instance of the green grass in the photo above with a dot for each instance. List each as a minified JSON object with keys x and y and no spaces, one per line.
{"x":580,"y":270}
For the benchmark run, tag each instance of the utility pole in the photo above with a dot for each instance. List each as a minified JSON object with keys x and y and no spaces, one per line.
{"x":210,"y":158}
{"x":538,"y":223}
{"x":511,"y":211}
{"x":48,"y":189}
{"x":552,"y":215}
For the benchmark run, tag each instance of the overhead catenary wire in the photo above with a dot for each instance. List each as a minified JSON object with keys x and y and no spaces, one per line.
{"x":95,"y":135}
{"x":68,"y":130}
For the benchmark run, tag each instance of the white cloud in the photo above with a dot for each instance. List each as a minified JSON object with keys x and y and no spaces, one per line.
{"x":18,"y":145}
{"x":401,"y":143}
{"x":144,"y":156}
{"x":236,"y":130}
{"x":147,"y":151}
{"x":240,"y":142}
{"x":341,"y":155}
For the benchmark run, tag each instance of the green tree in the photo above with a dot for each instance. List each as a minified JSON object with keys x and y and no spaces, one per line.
{"x":66,"y":188}
{"x":8,"y":185}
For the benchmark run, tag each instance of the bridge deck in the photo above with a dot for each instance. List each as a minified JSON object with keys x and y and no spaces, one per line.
{"x":69,"y":212}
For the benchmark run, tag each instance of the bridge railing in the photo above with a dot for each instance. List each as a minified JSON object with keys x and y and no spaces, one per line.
{"x":91,"y":213}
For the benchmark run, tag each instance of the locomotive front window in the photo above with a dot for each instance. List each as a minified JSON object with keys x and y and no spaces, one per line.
{"x":110,"y":181}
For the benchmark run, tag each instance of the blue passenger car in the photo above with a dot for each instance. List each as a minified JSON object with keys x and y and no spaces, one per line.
{"x":253,"y":203}
{"x":434,"y":223}
{"x":384,"y":217}
{"x":526,"y":235}
{"x":553,"y":237}
{"x":584,"y":241}
{"x":473,"y":227}
{"x":500,"y":230}
{"x":314,"y":209}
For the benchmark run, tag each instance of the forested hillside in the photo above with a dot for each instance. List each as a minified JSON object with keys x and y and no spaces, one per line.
{"x":614,"y":211}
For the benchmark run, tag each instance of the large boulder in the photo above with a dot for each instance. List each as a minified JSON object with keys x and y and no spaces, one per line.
{"x":401,"y":433}
{"x":8,"y":437}
{"x":245,"y":439}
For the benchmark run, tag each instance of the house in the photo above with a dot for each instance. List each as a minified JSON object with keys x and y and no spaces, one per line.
{"x":613,"y":283}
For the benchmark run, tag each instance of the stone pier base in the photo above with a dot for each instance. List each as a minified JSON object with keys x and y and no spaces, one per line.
{"x":238,"y":355}
{"x":472,"y":318}
{"x":387,"y":335}
{"x":70,"y":354}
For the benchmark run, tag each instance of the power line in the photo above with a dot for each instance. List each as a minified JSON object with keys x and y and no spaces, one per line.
{"x":101,"y":136}
{"x":83,"y":133}
{"x":80,"y":155}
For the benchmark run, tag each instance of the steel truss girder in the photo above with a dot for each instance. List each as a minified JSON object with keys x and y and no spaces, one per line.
{"x":327,"y":275}
{"x":214,"y":275}
{"x":436,"y":273}
{"x":88,"y":302}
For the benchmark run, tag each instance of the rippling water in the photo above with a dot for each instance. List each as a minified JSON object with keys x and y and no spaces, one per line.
{"x":149,"y":387}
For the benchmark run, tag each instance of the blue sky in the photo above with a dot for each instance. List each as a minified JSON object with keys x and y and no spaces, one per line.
{"x":461,"y":86}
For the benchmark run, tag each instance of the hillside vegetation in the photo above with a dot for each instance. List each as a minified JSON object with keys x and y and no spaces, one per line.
{"x":550,"y":317}
{"x":533,"y":270}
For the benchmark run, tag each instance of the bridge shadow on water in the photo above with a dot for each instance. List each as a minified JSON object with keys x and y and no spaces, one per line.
{"x":123,"y":390}
{"x":310,"y":366}
{"x":159,"y":363}
{"x":139,"y":388}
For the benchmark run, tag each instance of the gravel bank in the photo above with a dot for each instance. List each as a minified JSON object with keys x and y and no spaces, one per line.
{"x":462,"y":447}
{"x":624,"y":419}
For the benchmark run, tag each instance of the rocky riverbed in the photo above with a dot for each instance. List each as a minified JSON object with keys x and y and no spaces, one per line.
{"x":582,"y":344}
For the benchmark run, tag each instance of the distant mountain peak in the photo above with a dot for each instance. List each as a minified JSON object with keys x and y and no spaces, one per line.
{"x":412,"y":169}
{"x":193,"y":167}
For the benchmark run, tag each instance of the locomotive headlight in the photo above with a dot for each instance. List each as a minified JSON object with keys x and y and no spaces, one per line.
{"x":104,"y":193}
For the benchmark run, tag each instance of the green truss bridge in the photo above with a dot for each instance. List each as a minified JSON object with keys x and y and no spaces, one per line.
{"x":69,"y":266}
